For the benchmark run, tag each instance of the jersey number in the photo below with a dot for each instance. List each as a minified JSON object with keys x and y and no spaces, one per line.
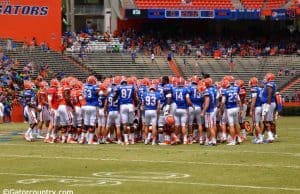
{"x":125,"y":93}
{"x":150,"y":101}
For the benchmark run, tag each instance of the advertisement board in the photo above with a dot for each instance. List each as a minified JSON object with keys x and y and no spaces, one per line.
{"x":23,"y":20}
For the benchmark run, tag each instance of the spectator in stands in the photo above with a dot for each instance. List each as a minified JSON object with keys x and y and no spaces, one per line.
{"x":7,"y":112}
{"x":133,"y":56}
{"x":152,"y":57}
{"x":286,"y":71}
{"x":1,"y":112}
{"x":280,"y":72}
{"x":169,"y":56}
{"x":287,"y":99}
{"x":293,"y":71}
{"x":231,"y":65}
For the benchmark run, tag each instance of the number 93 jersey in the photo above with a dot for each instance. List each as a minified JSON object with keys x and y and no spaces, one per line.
{"x":91,"y":95}
{"x":126,"y":94}
{"x":151,"y":100}
{"x":179,"y":95}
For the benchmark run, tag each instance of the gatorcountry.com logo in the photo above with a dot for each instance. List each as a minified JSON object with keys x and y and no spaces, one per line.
{"x":277,"y":14}
{"x":8,"y":8}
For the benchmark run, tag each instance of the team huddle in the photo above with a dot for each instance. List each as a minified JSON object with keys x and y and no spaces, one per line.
{"x":164,"y":111}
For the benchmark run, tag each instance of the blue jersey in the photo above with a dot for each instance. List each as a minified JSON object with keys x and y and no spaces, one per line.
{"x":211,"y":94}
{"x":91,"y":95}
{"x":151,"y":100}
{"x":264,"y":97}
{"x":232,"y":97}
{"x":112,"y":105}
{"x":164,"y":90}
{"x":101,"y":100}
{"x":236,"y":88}
{"x":29,"y":98}
{"x":126,"y":93}
{"x":215,"y":91}
{"x":195,"y":96}
{"x":141,"y":91}
{"x":256,"y":91}
{"x":179,"y":97}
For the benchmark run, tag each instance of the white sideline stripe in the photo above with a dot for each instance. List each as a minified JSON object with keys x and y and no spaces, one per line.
{"x":169,"y":182}
{"x":149,"y":161}
{"x":107,"y":147}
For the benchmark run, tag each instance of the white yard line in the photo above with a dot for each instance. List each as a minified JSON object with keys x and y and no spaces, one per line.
{"x":149,"y":161}
{"x":157,"y":148}
{"x":158,"y":181}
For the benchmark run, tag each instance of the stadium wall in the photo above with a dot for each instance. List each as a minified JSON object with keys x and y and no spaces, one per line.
{"x":24,"y":19}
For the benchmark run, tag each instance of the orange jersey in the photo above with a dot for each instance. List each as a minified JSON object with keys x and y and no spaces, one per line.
{"x":77,"y":96}
{"x":42,"y":97}
{"x":54,"y":93}
{"x":63,"y":96}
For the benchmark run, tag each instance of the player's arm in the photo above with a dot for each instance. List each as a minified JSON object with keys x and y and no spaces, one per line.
{"x":50,"y":97}
{"x":188,"y":100}
{"x":253,"y":101}
{"x":239,"y":103}
{"x":116,"y":95}
{"x":106,"y":107}
{"x":222,"y":104}
{"x":206,"y":105}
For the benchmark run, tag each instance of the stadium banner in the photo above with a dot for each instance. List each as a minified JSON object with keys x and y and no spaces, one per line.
{"x":156,"y":13}
{"x":278,"y":14}
{"x":248,"y":14}
{"x":23,"y":20}
{"x":223,"y":14}
{"x":136,"y":13}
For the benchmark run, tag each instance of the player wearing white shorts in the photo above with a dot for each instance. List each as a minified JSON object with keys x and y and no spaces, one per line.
{"x":127,"y":95}
{"x":256,"y":110}
{"x":195,"y":109}
{"x":181,"y":97}
{"x":44,"y":113}
{"x":30,"y":109}
{"x":91,"y":94}
{"x":112,"y":110}
{"x":268,"y":99}
{"x":208,"y":112}
{"x":151,"y":105}
{"x":231,"y":101}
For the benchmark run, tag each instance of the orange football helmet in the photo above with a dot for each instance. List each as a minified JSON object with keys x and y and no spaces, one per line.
{"x":269,"y":77}
{"x":27,"y":85}
{"x":208,"y":82}
{"x":253,"y":82}
{"x":54,"y":83}
{"x":170,"y":120}
{"x":91,"y":80}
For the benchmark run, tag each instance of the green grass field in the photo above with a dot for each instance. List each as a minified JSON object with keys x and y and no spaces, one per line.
{"x":247,"y":168}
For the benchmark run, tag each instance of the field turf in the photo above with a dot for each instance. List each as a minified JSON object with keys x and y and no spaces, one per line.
{"x":247,"y":168}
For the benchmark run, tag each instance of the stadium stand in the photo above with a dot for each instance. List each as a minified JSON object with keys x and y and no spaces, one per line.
{"x":244,"y":69}
{"x":292,"y":90}
{"x":253,"y":4}
{"x":56,"y":61}
{"x":107,"y":64}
